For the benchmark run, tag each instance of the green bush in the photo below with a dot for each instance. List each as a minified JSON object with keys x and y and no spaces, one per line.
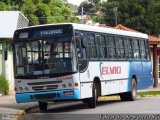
{"x":4,"y":85}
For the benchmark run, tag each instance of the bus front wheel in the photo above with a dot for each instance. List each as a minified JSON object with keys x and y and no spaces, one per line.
{"x":132,"y":95}
{"x":43,"y":105}
{"x":93,"y":100}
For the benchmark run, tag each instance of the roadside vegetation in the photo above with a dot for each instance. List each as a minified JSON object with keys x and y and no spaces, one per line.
{"x":4,"y":86}
{"x":41,"y":11}
{"x":140,"y":15}
{"x":149,"y":93}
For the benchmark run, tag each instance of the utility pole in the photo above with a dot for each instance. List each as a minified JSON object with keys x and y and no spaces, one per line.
{"x":82,"y":15}
{"x":115,"y":14}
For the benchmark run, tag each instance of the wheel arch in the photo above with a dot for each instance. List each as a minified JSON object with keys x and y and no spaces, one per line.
{"x":98,"y":85}
{"x":134,"y":77}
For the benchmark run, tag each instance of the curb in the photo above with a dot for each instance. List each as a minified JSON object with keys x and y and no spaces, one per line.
{"x":30,"y":108}
{"x":117,"y":97}
{"x":21,"y":113}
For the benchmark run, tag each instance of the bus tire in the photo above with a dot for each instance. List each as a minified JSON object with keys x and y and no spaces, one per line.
{"x":93,"y":100}
{"x":132,"y":95}
{"x":43,"y":105}
{"x":85,"y":100}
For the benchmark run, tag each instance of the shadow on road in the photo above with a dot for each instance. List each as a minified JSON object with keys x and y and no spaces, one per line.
{"x":72,"y":106}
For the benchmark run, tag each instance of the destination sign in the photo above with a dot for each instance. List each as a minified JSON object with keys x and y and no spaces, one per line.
{"x":44,"y":32}
{"x":51,"y":32}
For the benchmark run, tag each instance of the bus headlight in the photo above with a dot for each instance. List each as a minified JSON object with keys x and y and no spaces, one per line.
{"x":26,"y":88}
{"x":69,"y":84}
{"x":20,"y":89}
{"x":64,"y":86}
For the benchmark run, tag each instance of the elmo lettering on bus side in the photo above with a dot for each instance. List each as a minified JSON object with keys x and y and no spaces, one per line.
{"x":106,"y":70}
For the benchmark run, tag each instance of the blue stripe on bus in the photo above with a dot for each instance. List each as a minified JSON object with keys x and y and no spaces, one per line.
{"x":29,"y":97}
{"x":142,"y":70}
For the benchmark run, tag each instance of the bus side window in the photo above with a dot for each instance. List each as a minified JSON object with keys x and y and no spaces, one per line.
{"x":120,"y":48}
{"x":147,"y":50}
{"x":135,"y":46}
{"x":104,"y":48}
{"x":143,"y":50}
{"x":98,"y":44}
{"x":128,"y":48}
{"x":111,"y":47}
{"x":100,"y":41}
{"x":91,"y":47}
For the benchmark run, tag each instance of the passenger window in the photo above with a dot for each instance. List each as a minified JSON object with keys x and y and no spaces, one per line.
{"x":135,"y":49}
{"x":128,"y":48}
{"x":100,"y":40}
{"x":143,"y":50}
{"x":120,"y":48}
{"x":147,"y":50}
{"x":111,"y":47}
{"x":92,"y":53}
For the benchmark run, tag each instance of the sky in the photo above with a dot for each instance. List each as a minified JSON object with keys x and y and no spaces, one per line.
{"x":75,"y":2}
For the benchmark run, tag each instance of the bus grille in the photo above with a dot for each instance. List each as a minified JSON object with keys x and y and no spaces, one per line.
{"x":44,"y":86}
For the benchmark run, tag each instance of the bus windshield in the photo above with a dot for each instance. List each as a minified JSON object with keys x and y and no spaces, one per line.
{"x":44,"y":57}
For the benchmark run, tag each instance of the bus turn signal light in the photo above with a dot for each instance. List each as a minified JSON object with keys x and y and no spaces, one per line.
{"x":76,"y":84}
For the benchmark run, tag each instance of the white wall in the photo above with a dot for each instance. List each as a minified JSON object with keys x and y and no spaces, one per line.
{"x":9,"y":70}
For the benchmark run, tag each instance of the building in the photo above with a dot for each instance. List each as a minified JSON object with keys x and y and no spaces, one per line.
{"x":9,"y":22}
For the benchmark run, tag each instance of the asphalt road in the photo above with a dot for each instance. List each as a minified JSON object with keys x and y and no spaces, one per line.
{"x":80,"y":111}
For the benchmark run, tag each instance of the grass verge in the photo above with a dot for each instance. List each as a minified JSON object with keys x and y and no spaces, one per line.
{"x":149,"y":93}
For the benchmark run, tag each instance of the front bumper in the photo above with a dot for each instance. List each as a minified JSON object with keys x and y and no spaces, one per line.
{"x":47,"y":96}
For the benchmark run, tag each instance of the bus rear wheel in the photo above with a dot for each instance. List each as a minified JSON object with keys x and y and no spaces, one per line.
{"x":93,"y":100}
{"x":43,"y":105}
{"x":132,"y":95}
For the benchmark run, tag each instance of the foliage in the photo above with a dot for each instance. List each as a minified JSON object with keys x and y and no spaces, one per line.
{"x":149,"y":93}
{"x":4,"y":6}
{"x":87,"y":7}
{"x":41,"y":11}
{"x":141,"y":15}
{"x":4,"y":86}
{"x":94,"y":1}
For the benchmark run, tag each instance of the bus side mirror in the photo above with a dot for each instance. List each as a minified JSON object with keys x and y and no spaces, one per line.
{"x":5,"y":54}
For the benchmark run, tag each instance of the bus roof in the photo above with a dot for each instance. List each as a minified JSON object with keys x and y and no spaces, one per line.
{"x":84,"y":27}
{"x":109,"y":30}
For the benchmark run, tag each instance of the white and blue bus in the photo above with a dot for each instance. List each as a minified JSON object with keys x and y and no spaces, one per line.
{"x":59,"y":62}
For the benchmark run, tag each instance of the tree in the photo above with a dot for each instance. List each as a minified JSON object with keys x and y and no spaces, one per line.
{"x":141,"y":15}
{"x":4,"y":6}
{"x":41,"y":11}
{"x":88,"y":7}
{"x":94,"y":1}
